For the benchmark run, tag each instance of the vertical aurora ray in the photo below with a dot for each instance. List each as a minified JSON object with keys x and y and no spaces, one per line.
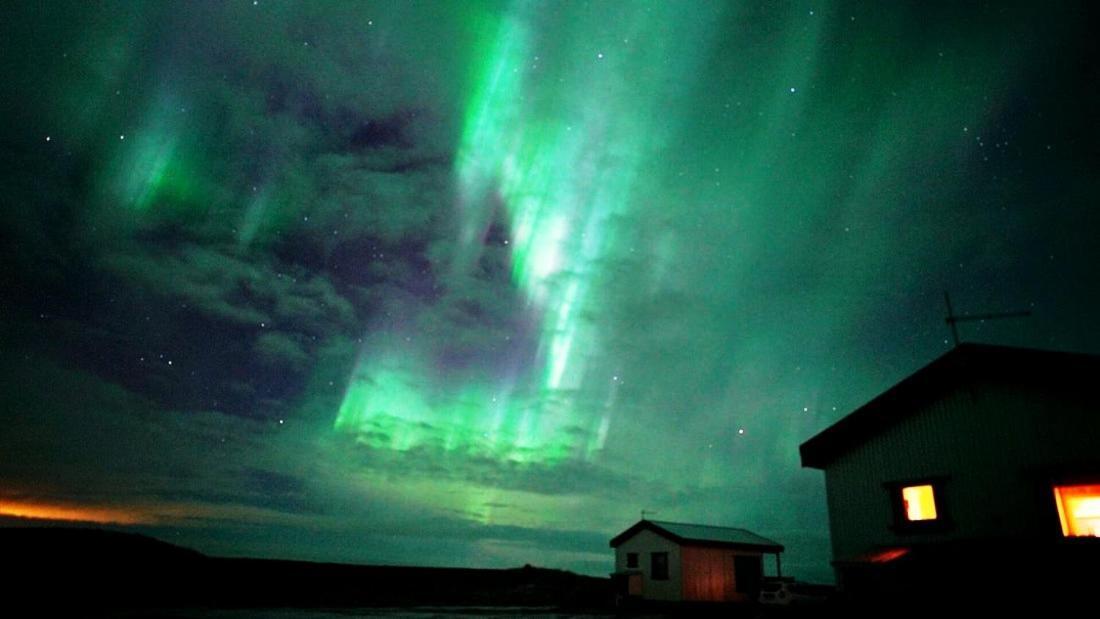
{"x":394,"y":402}
{"x":555,"y":140}
{"x":151,"y":165}
{"x":539,"y":262}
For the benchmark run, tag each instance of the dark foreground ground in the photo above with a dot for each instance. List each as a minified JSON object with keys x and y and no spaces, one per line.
{"x":69,"y":572}
{"x":74,"y":572}
{"x":446,"y":613}
{"x":95,"y":571}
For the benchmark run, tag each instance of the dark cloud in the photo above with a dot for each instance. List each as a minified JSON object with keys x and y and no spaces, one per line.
{"x":279,"y":350}
{"x":247,"y":216}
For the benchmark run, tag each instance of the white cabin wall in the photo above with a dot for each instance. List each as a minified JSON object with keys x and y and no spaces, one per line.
{"x":646,"y":542}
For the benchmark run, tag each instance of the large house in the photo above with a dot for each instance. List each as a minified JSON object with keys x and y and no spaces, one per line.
{"x":982,"y":469}
{"x":676,"y":562}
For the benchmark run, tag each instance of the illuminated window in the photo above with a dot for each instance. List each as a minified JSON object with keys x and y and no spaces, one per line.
{"x":919,"y":505}
{"x":1079,"y":510}
{"x":919,"y":502}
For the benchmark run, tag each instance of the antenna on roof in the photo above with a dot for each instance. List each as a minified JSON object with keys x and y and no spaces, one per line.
{"x":646,"y":511}
{"x":953,"y":319}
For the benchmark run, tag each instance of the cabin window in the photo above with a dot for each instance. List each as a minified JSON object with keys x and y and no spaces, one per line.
{"x":918,"y":502}
{"x":658,"y":569}
{"x":918,"y":505}
{"x":632,"y":559}
{"x":1078,"y":509}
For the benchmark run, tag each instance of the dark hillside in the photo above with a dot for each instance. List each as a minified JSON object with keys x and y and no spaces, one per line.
{"x":93,"y":568}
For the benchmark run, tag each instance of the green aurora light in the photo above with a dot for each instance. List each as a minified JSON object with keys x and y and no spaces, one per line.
{"x":565,"y":161}
{"x":471,"y":283}
{"x":154,"y":165}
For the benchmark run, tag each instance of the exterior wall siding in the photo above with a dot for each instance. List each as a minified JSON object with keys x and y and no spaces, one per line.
{"x":645,"y":543}
{"x":994,"y":442}
{"x":709,"y":576}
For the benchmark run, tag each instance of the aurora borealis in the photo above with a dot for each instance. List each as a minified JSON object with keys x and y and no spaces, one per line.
{"x":474,"y":283}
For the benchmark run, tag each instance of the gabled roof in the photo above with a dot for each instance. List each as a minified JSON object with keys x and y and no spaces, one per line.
{"x":701,"y":535}
{"x":964,"y":364}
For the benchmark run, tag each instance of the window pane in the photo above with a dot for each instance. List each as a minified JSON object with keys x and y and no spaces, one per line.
{"x":659,"y":566}
{"x":919,"y":502}
{"x":1079,"y":510}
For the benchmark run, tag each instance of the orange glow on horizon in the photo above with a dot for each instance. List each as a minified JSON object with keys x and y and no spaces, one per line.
{"x":920,"y":502}
{"x":1078,"y":510}
{"x":72,"y":513}
{"x":178,"y":514}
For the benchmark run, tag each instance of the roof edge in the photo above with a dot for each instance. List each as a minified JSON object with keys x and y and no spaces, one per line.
{"x":955,"y":367}
{"x":655,"y":526}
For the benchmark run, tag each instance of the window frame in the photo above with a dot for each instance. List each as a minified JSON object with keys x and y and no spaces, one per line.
{"x":1058,"y":515}
{"x":901,"y":524}
{"x":653,"y":572}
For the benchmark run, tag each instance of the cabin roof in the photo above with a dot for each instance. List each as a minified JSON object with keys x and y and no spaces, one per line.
{"x":701,"y":535}
{"x":964,"y":364}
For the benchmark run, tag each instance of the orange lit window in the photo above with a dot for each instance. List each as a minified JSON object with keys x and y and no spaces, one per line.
{"x":919,"y":502}
{"x":1079,"y":510}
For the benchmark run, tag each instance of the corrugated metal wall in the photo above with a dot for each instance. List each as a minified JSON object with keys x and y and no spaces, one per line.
{"x":708,"y":574}
{"x":992,"y":441}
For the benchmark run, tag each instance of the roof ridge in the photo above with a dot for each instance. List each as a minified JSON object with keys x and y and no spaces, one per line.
{"x":706,"y":534}
{"x":963,"y":364}
{"x":692,"y":524}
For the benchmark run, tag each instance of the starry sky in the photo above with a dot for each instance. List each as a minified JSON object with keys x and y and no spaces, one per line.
{"x":474,"y":283}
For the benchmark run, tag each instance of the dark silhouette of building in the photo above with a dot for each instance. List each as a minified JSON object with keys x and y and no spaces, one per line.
{"x":980,"y":472}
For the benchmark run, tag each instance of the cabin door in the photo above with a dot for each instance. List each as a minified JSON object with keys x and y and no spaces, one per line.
{"x":748,"y":571}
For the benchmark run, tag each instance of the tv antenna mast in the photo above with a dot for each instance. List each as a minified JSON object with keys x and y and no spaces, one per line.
{"x":953,"y":319}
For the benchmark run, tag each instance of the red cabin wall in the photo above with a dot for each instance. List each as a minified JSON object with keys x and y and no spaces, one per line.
{"x":708,"y":575}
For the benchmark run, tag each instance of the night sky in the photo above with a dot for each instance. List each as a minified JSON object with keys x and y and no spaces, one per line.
{"x":473,"y":284}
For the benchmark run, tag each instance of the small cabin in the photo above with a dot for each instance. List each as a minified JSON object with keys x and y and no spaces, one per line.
{"x":677,"y":562}
{"x":979,"y":471}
